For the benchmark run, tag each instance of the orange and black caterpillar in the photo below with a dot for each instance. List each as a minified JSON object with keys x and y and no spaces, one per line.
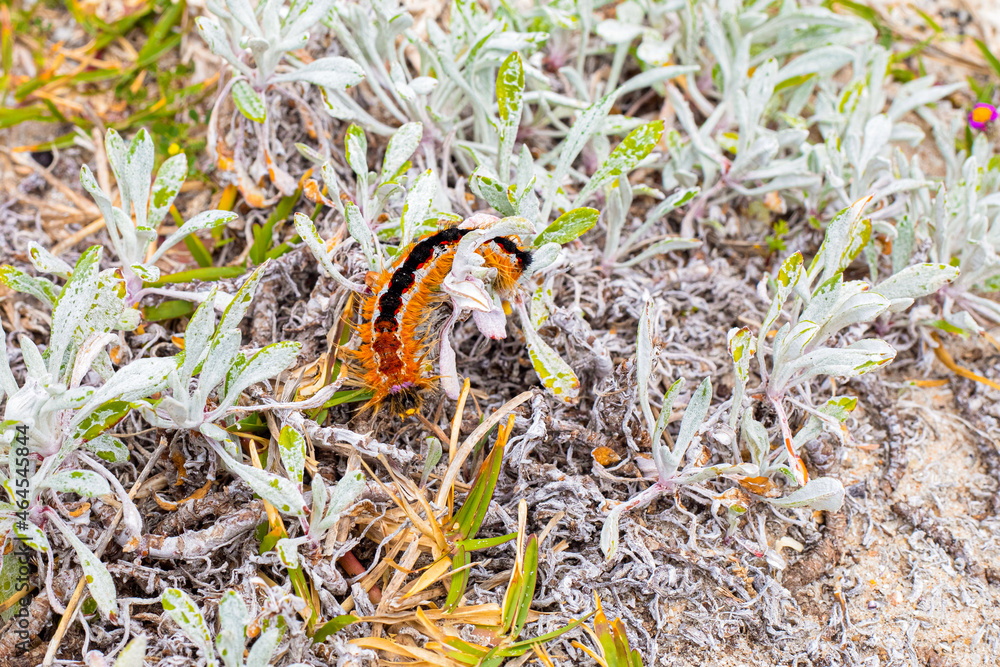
{"x":394,"y":332}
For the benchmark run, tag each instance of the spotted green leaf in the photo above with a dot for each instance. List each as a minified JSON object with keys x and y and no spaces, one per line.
{"x":134,"y":654}
{"x":186,"y":614}
{"x":833,"y":413}
{"x":237,"y":308}
{"x":398,"y":152}
{"x":639,"y":143}
{"x":356,"y":146}
{"x":742,"y":347}
{"x":539,"y":308}
{"x":249,"y":102}
{"x":914,"y":282}
{"x":233,"y":618}
{"x":41,"y":288}
{"x":262,"y":651}
{"x":99,"y":581}
{"x":822,"y":493}
{"x":293,"y":453}
{"x":788,"y":277}
{"x":46,"y":262}
{"x":510,"y":88}
{"x":108,"y":448}
{"x":307,"y":230}
{"x":281,"y":492}
{"x":846,"y":235}
{"x":493,"y":191}
{"x":204,"y":220}
{"x":556,"y":375}
{"x":84,"y":483}
{"x":569,"y":226}
{"x":362,"y":233}
{"x":32,"y":536}
{"x":169,"y":180}
{"x":417,"y":205}
{"x":586,"y":125}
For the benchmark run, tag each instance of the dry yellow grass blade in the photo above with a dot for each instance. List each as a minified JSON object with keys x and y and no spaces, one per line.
{"x":430,"y":576}
{"x":429,"y":629}
{"x":456,"y":427}
{"x":418,"y":523}
{"x":273,"y":518}
{"x":470,"y":443}
{"x":480,"y":614}
{"x":586,"y":650}
{"x":403,"y":570}
{"x":945,"y":358}
{"x":542,"y":655}
{"x":383,"y":527}
{"x":435,"y":533}
{"x":420,"y":656}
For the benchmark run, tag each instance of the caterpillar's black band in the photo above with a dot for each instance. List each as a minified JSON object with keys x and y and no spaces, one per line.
{"x":523,"y":257}
{"x":405,"y":275}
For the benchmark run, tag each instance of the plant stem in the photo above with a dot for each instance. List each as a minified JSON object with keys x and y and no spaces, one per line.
{"x":798,"y":468}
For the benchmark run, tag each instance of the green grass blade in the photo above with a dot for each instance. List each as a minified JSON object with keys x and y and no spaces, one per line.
{"x":487,"y":542}
{"x":263,"y":234}
{"x":168,"y":310}
{"x":333,"y":626}
{"x":459,"y":580}
{"x":527,"y":592}
{"x":207,"y":273}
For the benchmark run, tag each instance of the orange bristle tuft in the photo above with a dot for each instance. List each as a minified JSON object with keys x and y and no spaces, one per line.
{"x":398,"y":316}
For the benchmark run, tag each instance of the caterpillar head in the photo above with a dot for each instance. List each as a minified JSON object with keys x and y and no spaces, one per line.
{"x":402,"y":400}
{"x":405,"y":399}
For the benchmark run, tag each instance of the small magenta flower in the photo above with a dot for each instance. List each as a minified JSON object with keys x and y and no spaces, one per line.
{"x":982,"y":115}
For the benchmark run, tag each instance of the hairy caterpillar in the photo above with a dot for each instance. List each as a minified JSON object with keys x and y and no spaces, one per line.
{"x":398,"y":316}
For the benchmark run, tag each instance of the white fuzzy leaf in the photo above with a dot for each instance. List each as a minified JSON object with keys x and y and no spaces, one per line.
{"x":81,"y":482}
{"x":237,"y":308}
{"x":169,"y":180}
{"x":335,"y":72}
{"x":263,"y":649}
{"x":588,"y":123}
{"x":292,"y":446}
{"x":187,"y":615}
{"x":220,"y":358}
{"x":279,"y":491}
{"x":417,"y":205}
{"x":99,"y":581}
{"x":822,"y":493}
{"x":267,"y":363}
{"x":131,"y":382}
{"x":197,"y":335}
{"x":344,"y":493}
{"x":233,"y":618}
{"x":76,"y":300}
{"x":362,"y":233}
{"x":400,"y":148}
{"x":661,"y":248}
{"x":134,"y":654}
{"x":914,"y":282}
{"x":204,"y":220}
